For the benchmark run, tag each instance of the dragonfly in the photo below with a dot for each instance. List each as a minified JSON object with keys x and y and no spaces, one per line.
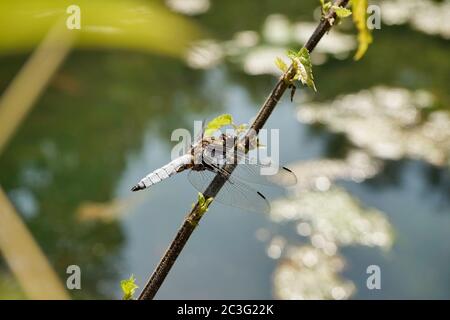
{"x":210,"y":156}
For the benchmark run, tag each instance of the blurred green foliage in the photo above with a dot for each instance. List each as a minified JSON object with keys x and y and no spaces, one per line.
{"x":132,"y":25}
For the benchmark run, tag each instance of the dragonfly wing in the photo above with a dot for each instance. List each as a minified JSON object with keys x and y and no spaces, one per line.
{"x":281,"y":176}
{"x":234,"y":193}
{"x":250,"y":169}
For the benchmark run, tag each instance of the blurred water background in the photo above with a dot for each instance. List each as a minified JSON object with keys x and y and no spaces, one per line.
{"x":371,"y":150}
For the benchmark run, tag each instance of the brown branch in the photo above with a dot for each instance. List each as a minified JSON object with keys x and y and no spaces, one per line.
{"x":193,"y":218}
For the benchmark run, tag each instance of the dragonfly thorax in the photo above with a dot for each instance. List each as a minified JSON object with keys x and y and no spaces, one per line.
{"x":226,"y":156}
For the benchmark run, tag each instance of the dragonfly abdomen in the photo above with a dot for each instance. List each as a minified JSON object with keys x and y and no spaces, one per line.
{"x":164,"y":172}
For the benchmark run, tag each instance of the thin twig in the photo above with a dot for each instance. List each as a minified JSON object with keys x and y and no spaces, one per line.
{"x":193,"y":218}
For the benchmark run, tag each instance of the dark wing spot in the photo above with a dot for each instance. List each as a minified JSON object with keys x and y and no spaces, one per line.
{"x":261,"y":195}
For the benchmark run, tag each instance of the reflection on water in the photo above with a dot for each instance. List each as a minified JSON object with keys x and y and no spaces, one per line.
{"x":319,"y":174}
{"x":204,"y":55}
{"x":308,"y":273}
{"x":330,"y":218}
{"x":390,"y":123}
{"x":189,"y":7}
{"x":333,"y":218}
{"x":427,"y":16}
{"x":255,"y":51}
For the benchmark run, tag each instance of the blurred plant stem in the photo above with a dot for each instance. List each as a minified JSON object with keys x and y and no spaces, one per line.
{"x":26,"y":260}
{"x":193,"y":218}
{"x":23,"y":255}
{"x":21,"y":95}
{"x":135,"y":25}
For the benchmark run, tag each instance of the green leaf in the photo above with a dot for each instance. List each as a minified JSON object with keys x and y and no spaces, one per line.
{"x":303,"y":66}
{"x":359,"y":8}
{"x":281,"y":65}
{"x":325,"y":6}
{"x":128,"y":287}
{"x":201,"y":199}
{"x":217,"y":123}
{"x":342,"y":12}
